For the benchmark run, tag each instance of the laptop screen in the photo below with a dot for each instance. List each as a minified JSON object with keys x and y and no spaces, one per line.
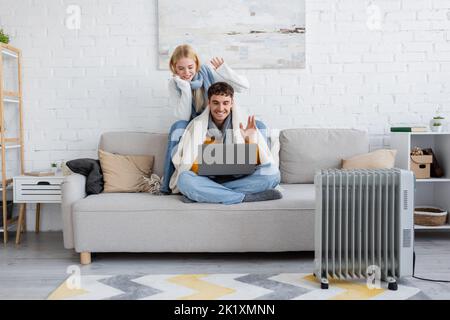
{"x":227,"y":159}
{"x":228,"y":154}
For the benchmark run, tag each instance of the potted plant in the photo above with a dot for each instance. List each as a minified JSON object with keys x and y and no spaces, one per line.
{"x":437,"y":124}
{"x":54,"y":167}
{"x":436,"y":127}
{"x":4,"y":37}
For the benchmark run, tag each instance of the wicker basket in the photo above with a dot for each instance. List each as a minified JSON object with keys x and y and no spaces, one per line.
{"x":430,"y":216}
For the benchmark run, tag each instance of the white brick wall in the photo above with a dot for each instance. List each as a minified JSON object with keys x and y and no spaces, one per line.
{"x":78,"y":84}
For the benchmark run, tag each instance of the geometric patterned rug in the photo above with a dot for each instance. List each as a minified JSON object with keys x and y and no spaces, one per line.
{"x":282,"y":286}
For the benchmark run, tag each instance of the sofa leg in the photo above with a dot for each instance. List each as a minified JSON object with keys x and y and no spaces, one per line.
{"x":85,"y":258}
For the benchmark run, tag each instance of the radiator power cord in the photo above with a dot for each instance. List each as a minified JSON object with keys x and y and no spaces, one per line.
{"x":424,"y":279}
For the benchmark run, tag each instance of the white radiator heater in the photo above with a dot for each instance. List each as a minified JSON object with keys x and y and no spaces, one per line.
{"x":364,"y":222}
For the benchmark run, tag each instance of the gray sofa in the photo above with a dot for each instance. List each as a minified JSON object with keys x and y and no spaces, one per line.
{"x":140,"y":222}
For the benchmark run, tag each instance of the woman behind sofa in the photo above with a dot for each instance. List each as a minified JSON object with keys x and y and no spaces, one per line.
{"x":188,"y":95}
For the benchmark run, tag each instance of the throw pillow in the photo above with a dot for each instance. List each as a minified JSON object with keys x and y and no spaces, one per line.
{"x":125,"y":173}
{"x":379,"y":159}
{"x":90,"y":168}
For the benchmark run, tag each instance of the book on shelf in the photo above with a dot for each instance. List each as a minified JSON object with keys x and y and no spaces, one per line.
{"x":39,"y":173}
{"x":410,"y":129}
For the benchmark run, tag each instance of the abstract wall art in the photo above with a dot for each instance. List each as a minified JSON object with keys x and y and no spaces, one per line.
{"x":248,"y":34}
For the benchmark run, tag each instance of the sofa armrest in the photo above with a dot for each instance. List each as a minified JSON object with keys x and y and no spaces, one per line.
{"x":73,"y":189}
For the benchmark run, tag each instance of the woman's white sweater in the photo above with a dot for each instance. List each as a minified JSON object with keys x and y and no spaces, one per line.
{"x":180,"y":93}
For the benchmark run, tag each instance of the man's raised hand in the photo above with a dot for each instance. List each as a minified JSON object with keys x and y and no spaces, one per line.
{"x":249,"y":133}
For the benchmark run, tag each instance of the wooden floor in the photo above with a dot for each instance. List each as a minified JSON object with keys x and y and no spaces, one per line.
{"x":36,"y":267}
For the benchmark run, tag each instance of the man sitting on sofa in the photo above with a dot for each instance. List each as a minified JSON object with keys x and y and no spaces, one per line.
{"x":220,"y":123}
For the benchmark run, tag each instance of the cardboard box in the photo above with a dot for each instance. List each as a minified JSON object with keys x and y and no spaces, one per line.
{"x":420,"y":165}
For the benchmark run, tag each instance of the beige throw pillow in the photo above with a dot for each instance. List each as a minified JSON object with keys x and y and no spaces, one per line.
{"x":125,"y":173}
{"x":379,"y":159}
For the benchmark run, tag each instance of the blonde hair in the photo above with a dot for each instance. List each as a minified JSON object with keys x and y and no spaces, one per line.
{"x":180,"y":52}
{"x":186,"y":51}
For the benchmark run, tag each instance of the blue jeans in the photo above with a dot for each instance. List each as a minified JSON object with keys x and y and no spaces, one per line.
{"x":203,"y":189}
{"x":175,"y":134}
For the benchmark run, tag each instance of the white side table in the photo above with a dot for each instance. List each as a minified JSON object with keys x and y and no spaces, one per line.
{"x":31,"y":189}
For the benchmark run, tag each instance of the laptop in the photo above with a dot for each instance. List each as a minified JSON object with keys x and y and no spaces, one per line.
{"x":218,"y":159}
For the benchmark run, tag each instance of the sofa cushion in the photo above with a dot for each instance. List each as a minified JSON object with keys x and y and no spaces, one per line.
{"x":139,"y":222}
{"x":295,"y":196}
{"x":137,"y":143}
{"x":304,"y":151}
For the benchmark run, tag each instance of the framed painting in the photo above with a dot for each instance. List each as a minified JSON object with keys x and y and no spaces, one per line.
{"x":263,"y":34}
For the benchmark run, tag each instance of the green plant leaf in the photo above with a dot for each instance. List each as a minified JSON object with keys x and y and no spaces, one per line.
{"x":4,"y":37}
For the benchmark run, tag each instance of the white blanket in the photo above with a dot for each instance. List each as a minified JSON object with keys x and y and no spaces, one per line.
{"x":195,"y":135}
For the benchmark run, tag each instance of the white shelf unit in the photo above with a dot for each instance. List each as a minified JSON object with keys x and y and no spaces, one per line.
{"x":10,"y":143}
{"x":9,"y":53}
{"x":433,"y":191}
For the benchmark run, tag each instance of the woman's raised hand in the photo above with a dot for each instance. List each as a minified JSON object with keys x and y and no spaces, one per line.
{"x":217,"y":62}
